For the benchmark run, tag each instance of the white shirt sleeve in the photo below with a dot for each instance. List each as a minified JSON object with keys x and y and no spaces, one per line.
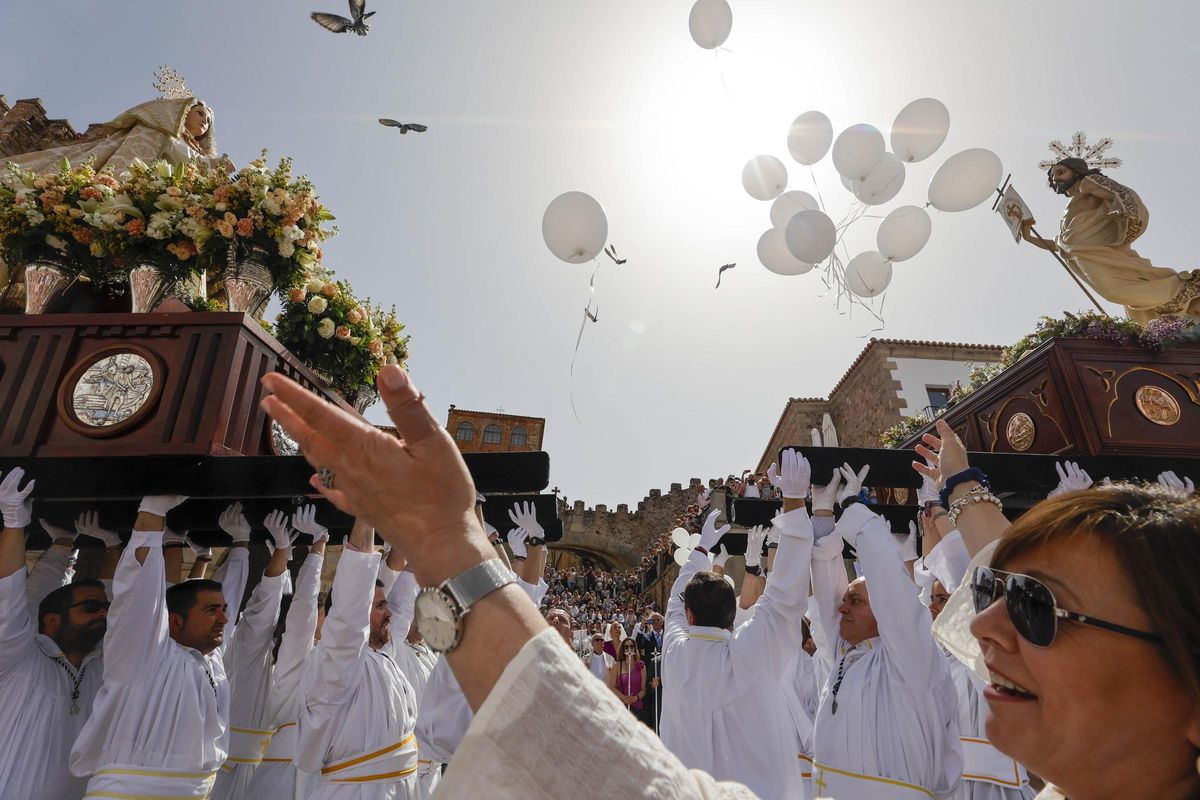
{"x":772,"y":636}
{"x":46,"y":576}
{"x":236,"y":571}
{"x":533,"y":737}
{"x":676,"y":623}
{"x":346,"y":631}
{"x":137,"y":634}
{"x":254,"y":633}
{"x":904,"y":622}
{"x":298,"y":633}
{"x":829,"y":584}
{"x":400,"y":600}
{"x":16,"y":623}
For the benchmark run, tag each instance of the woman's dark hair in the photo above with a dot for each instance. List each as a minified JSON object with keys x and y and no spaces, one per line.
{"x":1154,"y":534}
{"x":627,"y":644}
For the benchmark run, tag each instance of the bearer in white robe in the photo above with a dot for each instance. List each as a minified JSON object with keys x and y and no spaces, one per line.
{"x":277,"y":778}
{"x":887,"y":726}
{"x":50,"y":671}
{"x":356,"y":725}
{"x":159,"y":725}
{"x":248,"y":663}
{"x":722,"y":709}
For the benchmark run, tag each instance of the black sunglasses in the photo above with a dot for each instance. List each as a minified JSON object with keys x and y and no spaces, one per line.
{"x":91,"y":606}
{"x":1032,"y":609}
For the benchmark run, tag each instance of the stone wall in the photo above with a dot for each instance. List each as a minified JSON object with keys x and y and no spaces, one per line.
{"x":25,"y":128}
{"x":867,"y":402}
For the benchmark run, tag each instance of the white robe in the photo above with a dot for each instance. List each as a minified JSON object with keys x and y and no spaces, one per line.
{"x":248,"y":660}
{"x":897,"y":708}
{"x":721,"y":696}
{"x":163,"y":708}
{"x":356,"y":700}
{"x":35,"y":698}
{"x":279,"y":779}
{"x":535,"y":736}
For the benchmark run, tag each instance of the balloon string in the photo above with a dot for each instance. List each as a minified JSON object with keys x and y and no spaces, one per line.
{"x":588,"y":314}
{"x":816,"y":186}
{"x":721,"y":72}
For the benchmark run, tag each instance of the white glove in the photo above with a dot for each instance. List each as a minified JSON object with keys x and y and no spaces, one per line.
{"x":88,"y":524}
{"x":524,"y":516}
{"x":53,"y":531}
{"x":305,"y":521}
{"x":202,"y":553}
{"x":909,"y":547}
{"x":171,"y":537}
{"x":854,"y":482}
{"x":516,"y":542}
{"x":793,"y":479}
{"x":160,"y":504}
{"x":1168,"y":479}
{"x":276,"y":524}
{"x":15,"y":502}
{"x":754,"y":545}
{"x":233,"y":522}
{"x":825,"y":496}
{"x":710,"y":534}
{"x":491,"y":532}
{"x":719,"y":559}
{"x":928,"y":492}
{"x":1070,"y":478}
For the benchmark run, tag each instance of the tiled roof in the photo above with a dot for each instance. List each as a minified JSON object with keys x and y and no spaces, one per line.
{"x":910,"y":342}
{"x":496,"y":414}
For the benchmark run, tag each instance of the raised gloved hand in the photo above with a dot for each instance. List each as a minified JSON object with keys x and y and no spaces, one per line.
{"x":234,"y":522}
{"x":524,"y":516}
{"x":15,"y":502}
{"x":1070,"y":478}
{"x":493,"y":535}
{"x":88,"y":524}
{"x":928,"y":492}
{"x":202,"y":553}
{"x":719,"y":559}
{"x":754,"y":545}
{"x":825,"y":496}
{"x":276,"y":524}
{"x":909,"y":548}
{"x":854,"y":481}
{"x":710,"y":534}
{"x":793,"y":478}
{"x":53,"y":531}
{"x":160,"y":504}
{"x":305,"y":521}
{"x":1168,"y":479}
{"x":516,"y":542}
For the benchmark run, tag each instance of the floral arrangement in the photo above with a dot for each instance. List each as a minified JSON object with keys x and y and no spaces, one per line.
{"x":344,"y":340}
{"x":1154,"y":335}
{"x":43,"y":217}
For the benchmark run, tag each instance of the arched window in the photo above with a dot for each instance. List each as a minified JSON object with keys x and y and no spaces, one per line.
{"x":465,"y":432}
{"x":492,"y":435}
{"x":519,"y":437}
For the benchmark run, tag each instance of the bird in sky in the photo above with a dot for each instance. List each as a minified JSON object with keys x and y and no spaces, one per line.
{"x":722,"y":269}
{"x":338,"y":24}
{"x":611,"y":252}
{"x":403,"y":126}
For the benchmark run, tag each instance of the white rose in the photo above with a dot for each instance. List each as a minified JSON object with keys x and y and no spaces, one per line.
{"x":55,"y":242}
{"x":325,"y":327}
{"x":315,"y":285}
{"x":317,"y":305}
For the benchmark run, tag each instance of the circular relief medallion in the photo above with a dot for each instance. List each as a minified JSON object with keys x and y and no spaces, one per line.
{"x":901,"y":495}
{"x":1020,"y":431}
{"x":110,"y":392}
{"x":1157,"y":405}
{"x":281,"y":443}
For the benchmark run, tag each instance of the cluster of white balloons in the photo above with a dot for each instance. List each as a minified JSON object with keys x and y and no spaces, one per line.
{"x":575,"y":227}
{"x":803,"y":234}
{"x":685,"y":543}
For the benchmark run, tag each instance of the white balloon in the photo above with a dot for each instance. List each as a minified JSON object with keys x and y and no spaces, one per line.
{"x":575,"y":227}
{"x":775,"y":256}
{"x":809,"y":137}
{"x":868,"y":274}
{"x":883,"y":182}
{"x":694,"y":540}
{"x":851,"y":186}
{"x":965,"y":180}
{"x":789,"y":204}
{"x":679,"y":537}
{"x":919,"y":129}
{"x":857,"y":149}
{"x":681,"y":556}
{"x":710,"y":23}
{"x":764,"y":177}
{"x":810,"y":236}
{"x":903,"y":233}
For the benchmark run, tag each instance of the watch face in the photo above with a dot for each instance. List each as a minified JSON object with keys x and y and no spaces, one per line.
{"x":437,"y":621}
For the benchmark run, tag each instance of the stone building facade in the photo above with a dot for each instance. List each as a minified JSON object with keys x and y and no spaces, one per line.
{"x":890,"y":379}
{"x":25,"y":128}
{"x":494,"y":432}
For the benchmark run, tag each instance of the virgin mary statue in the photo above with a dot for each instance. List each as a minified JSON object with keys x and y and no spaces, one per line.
{"x":175,"y":128}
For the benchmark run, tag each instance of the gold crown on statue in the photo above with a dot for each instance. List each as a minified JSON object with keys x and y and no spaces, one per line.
{"x":169,"y":83}
{"x":1093,"y":154}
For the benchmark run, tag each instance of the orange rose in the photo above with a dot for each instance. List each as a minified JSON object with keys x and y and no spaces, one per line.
{"x":296,"y":295}
{"x":330,"y":290}
{"x":342,"y":332}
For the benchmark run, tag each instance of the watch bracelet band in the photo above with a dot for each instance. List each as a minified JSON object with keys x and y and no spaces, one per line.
{"x":468,"y":588}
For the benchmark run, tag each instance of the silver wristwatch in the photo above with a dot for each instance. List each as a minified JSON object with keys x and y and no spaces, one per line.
{"x":440,"y":609}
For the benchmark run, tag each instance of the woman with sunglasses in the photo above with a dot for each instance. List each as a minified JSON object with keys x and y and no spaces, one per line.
{"x":630,"y":673}
{"x":1088,"y":619}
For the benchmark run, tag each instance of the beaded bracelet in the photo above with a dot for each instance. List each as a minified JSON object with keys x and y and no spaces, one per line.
{"x":977,"y":494}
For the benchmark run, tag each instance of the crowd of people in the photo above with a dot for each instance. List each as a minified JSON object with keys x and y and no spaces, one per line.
{"x":1057,"y":649}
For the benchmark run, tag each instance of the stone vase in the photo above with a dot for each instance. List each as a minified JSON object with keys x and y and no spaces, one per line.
{"x":362,"y":398}
{"x":44,"y":281}
{"x":148,"y":287}
{"x":247,"y":280}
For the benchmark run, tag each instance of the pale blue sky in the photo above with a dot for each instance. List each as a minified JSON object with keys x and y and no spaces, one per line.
{"x":529,"y":98}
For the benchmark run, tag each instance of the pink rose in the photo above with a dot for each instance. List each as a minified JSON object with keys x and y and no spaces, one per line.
{"x":376,"y":347}
{"x":329,"y":290}
{"x":296,"y":295}
{"x":355,"y":316}
{"x":245,"y":227}
{"x":342,"y":332}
